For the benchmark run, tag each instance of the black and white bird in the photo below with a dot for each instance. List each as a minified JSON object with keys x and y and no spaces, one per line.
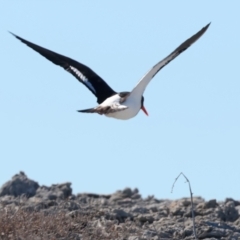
{"x":119,"y":105}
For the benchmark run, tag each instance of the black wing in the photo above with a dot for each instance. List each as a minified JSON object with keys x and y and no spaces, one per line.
{"x":83,"y":73}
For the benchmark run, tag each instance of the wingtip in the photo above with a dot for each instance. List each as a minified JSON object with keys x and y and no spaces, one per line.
{"x":14,"y":34}
{"x":208,"y":25}
{"x":204,"y":29}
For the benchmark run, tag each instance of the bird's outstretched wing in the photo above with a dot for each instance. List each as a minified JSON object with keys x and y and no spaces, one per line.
{"x":140,"y":87}
{"x":83,"y":73}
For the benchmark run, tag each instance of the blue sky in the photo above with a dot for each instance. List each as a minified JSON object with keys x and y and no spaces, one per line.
{"x":193,"y":103}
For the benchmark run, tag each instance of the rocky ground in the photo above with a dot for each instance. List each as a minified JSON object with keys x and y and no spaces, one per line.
{"x":30,"y":211}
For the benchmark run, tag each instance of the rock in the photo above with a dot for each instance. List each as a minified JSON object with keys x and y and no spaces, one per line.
{"x":70,"y":205}
{"x":55,"y":211}
{"x":238,"y":209}
{"x":56,"y":191}
{"x":177,"y":210}
{"x":137,"y":209}
{"x":19,"y":185}
{"x":210,"y":232}
{"x":120,"y":215}
{"x":134,"y":238}
{"x":154,"y":207}
{"x":126,"y":193}
{"x":93,"y":195}
{"x":235,"y":236}
{"x":142,"y":218}
{"x":210,"y":204}
{"x":231,"y":213}
{"x":149,"y":234}
{"x":236,"y":203}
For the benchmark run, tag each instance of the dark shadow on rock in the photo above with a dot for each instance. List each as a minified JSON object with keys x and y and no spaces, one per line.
{"x":19,"y":185}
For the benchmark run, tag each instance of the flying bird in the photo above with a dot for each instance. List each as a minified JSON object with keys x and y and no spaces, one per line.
{"x":119,"y":105}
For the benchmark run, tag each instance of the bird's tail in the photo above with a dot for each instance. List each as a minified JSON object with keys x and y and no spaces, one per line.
{"x":89,"y":110}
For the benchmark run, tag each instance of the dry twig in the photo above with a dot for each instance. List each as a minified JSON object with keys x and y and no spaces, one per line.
{"x":191,"y":195}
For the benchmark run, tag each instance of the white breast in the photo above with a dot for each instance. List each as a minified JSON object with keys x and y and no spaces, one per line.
{"x":133,"y":106}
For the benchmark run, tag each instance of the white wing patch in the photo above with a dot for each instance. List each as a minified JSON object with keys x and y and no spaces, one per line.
{"x":82,"y":77}
{"x":115,"y":107}
{"x":111,"y":105}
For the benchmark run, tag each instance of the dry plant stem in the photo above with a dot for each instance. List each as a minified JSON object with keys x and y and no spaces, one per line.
{"x":191,"y":194}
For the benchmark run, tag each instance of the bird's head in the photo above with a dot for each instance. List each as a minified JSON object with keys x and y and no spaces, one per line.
{"x":142,"y":106}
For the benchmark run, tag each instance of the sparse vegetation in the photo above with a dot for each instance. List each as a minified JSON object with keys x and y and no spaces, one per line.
{"x":54,"y":213}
